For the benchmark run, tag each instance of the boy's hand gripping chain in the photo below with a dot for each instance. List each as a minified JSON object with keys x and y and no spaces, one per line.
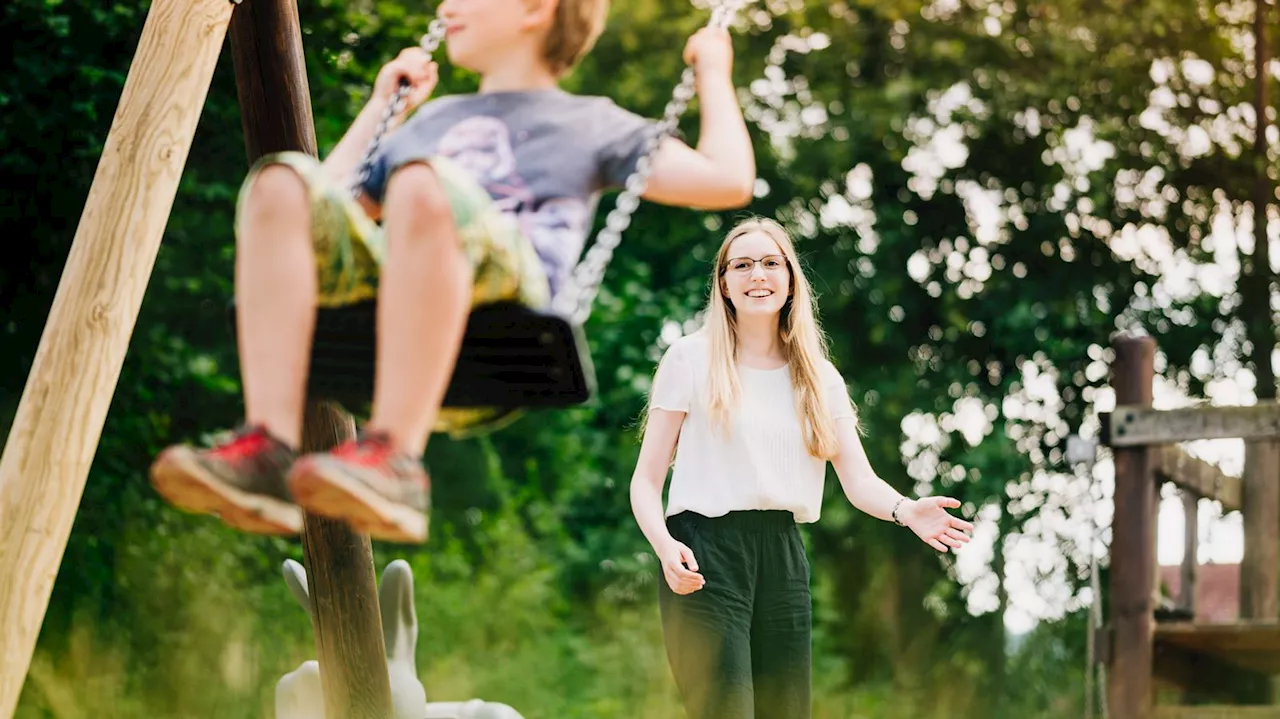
{"x":574,"y":301}
{"x":429,"y":43}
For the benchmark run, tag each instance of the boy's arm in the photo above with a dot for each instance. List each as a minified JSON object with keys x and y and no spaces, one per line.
{"x":721,"y":172}
{"x":414,"y":65}
{"x":341,"y":164}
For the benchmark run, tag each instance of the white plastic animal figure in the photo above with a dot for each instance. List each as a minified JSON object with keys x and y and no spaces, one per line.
{"x":474,"y":709}
{"x":299,"y":695}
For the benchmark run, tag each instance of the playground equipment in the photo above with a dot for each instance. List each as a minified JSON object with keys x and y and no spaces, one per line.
{"x":1230,"y":664}
{"x":512,"y":357}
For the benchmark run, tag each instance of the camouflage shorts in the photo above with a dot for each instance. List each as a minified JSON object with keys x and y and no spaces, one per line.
{"x":350,"y":249}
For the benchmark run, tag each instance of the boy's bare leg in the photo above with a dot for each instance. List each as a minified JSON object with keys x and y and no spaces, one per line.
{"x":276,"y":289}
{"x":242,"y":480}
{"x":378,"y":485}
{"x":423,"y":302}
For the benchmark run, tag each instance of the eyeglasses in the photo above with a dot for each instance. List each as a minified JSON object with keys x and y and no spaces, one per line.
{"x":744,"y":265}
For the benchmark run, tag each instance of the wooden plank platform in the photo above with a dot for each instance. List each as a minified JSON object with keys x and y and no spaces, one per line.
{"x":1250,"y":645}
{"x":1217,"y":712}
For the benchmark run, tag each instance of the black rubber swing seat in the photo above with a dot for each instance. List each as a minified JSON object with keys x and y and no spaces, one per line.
{"x":512,"y":357}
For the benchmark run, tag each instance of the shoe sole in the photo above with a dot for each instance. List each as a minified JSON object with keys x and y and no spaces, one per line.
{"x":336,"y":496}
{"x":181,"y":480}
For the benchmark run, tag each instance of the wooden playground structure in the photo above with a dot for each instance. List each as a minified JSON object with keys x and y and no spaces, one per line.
{"x":64,"y":405}
{"x":1217,"y":670}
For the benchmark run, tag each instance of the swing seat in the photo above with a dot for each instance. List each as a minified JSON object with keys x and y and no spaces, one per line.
{"x":512,"y":357}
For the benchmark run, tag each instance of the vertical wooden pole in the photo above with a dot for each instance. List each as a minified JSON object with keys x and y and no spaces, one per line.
{"x":1260,"y":564}
{"x":271,"y":79}
{"x":1190,"y":550}
{"x":1260,"y":510}
{"x":348,"y":622}
{"x":1129,"y":690}
{"x":275,"y":101}
{"x":82,"y":349}
{"x":1260,"y":501}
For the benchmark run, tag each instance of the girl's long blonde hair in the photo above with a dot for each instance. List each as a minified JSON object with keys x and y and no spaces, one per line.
{"x":803,"y":344}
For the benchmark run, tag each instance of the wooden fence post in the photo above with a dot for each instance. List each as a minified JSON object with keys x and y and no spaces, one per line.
{"x":1129,"y":689}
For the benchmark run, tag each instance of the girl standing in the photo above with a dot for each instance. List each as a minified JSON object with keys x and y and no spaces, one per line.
{"x":753,"y":410}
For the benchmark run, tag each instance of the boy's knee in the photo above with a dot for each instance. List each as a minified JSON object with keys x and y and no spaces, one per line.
{"x":414,"y":192}
{"x":276,"y":187}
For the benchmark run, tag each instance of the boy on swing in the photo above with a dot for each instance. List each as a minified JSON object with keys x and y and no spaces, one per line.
{"x":481,"y":198}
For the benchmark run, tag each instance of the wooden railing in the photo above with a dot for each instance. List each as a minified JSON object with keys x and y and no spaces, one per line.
{"x":1223,"y":662}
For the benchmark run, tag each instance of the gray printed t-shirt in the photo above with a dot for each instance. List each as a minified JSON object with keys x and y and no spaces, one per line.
{"x":544,"y":156}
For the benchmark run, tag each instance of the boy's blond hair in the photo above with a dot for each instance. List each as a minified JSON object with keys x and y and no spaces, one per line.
{"x":577,"y":26}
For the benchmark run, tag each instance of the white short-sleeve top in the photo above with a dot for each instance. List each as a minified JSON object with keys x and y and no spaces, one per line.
{"x":762,"y":461}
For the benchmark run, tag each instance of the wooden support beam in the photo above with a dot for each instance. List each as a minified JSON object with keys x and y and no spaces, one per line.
{"x":1129,"y":688}
{"x":1201,"y":478}
{"x":271,"y":79}
{"x":350,"y":644}
{"x":59,"y":420}
{"x":1133,"y":425}
{"x":275,"y":101}
{"x":1260,"y":565}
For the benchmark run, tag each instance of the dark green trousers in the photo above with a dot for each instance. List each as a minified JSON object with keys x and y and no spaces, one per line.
{"x":740,"y":646}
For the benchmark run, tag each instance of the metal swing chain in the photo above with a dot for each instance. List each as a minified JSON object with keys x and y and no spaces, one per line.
{"x":574,"y":301}
{"x":428,"y":43}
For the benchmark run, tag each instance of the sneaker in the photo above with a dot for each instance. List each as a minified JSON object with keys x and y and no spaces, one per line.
{"x":366,"y":483}
{"x":241,"y":481}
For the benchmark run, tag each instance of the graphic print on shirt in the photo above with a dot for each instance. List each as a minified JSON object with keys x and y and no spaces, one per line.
{"x":557,"y":229}
{"x":556,"y":226}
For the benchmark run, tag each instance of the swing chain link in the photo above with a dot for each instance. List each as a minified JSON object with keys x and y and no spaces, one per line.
{"x":428,"y":43}
{"x":574,"y":301}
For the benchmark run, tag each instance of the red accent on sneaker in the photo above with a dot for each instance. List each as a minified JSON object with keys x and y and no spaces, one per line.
{"x":241,"y":480}
{"x":370,"y":449}
{"x":244,"y":445}
{"x":369,"y":484}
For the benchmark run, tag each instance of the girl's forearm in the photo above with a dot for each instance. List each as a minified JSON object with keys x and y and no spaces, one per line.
{"x":876,"y":497}
{"x":646,"y":505}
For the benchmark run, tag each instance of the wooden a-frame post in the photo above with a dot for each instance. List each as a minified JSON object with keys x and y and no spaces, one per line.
{"x":59,"y":421}
{"x":77,"y":365}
